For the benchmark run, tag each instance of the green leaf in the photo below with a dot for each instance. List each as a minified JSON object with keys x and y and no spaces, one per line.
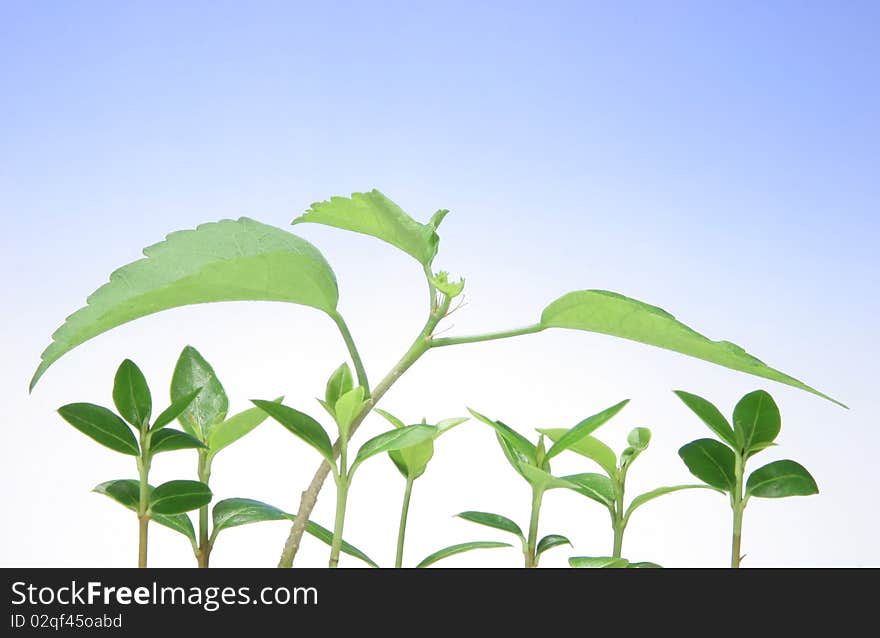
{"x":710,"y":461}
{"x":644,"y":565}
{"x":598,"y":562}
{"x":396,"y":439}
{"x":493,"y":520}
{"x":639,"y":439}
{"x":710,"y":415}
{"x":131,"y":394}
{"x":235,"y":427}
{"x":517,"y":459}
{"x":641,"y":499}
{"x":585,"y":427}
{"x":393,"y":420}
{"x":174,"y":410}
{"x":176,"y":497}
{"x":210,"y":406}
{"x":168,"y":440}
{"x":413,"y":461}
{"x":347,"y":408}
{"x":232,"y":512}
{"x":222,"y":261}
{"x":300,"y":424}
{"x":441,"y":282}
{"x":101,"y":425}
{"x":780,"y":479}
{"x":338,"y":384}
{"x":374,"y":214}
{"x":756,"y":421}
{"x":447,"y":424}
{"x":619,"y":316}
{"x":127,"y":493}
{"x":590,"y":447}
{"x":326,"y":536}
{"x":514,"y":438}
{"x":549,"y":542}
{"x":594,"y":486}
{"x":452,"y":550}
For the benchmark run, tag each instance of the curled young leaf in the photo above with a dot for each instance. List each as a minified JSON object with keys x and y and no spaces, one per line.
{"x":338,"y":384}
{"x":549,"y":542}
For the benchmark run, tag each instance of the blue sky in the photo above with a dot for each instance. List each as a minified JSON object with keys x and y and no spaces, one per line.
{"x":717,"y":159}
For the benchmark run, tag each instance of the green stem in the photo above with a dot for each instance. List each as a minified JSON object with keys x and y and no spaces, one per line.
{"x":401,"y":531}
{"x":618,"y":514}
{"x":143,"y":465}
{"x":532,"y":547}
{"x":341,"y":498}
{"x":353,"y":353}
{"x":738,"y":505}
{"x":489,"y":336}
{"x":420,"y":346}
{"x":203,"y":555}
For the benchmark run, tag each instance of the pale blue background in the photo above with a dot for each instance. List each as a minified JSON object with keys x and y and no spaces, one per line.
{"x":717,"y":159}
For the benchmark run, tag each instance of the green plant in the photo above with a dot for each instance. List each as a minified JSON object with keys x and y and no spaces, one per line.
{"x":532,"y":463}
{"x":412,"y":462}
{"x":609,"y":489}
{"x":205,"y":419}
{"x":344,"y":403}
{"x":246,"y":260}
{"x":166,"y":503}
{"x":721,"y":464}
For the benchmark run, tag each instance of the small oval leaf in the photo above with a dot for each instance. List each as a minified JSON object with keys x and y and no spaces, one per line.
{"x":176,"y":497}
{"x":549,"y":542}
{"x":210,"y":406}
{"x":598,"y":562}
{"x":710,"y":461}
{"x":131,"y":394}
{"x":709,"y":414}
{"x":493,"y":520}
{"x":780,"y":479}
{"x":756,"y":421}
{"x":101,"y":425}
{"x":168,"y":440}
{"x":300,"y":424}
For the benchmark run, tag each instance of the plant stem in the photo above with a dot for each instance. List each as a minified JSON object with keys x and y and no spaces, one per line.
{"x":353,"y":353}
{"x":489,"y":336}
{"x":401,"y":532}
{"x":203,"y":556}
{"x":617,"y":515}
{"x":339,"y":523}
{"x":532,"y":547}
{"x":143,"y":465}
{"x":310,"y":495}
{"x":738,"y":504}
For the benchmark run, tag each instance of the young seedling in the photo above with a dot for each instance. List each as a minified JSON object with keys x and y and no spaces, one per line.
{"x":344,"y":403}
{"x":412,"y":462}
{"x":166,"y":503}
{"x":532,"y":462}
{"x":205,"y":419}
{"x":609,"y":489}
{"x":236,"y":260}
{"x":721,"y":464}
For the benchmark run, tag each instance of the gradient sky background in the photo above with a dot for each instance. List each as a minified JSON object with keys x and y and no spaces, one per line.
{"x":717,"y":159}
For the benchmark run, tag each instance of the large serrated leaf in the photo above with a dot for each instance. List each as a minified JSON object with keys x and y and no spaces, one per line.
{"x":374,"y":214}
{"x":613,"y":314}
{"x":230,"y":260}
